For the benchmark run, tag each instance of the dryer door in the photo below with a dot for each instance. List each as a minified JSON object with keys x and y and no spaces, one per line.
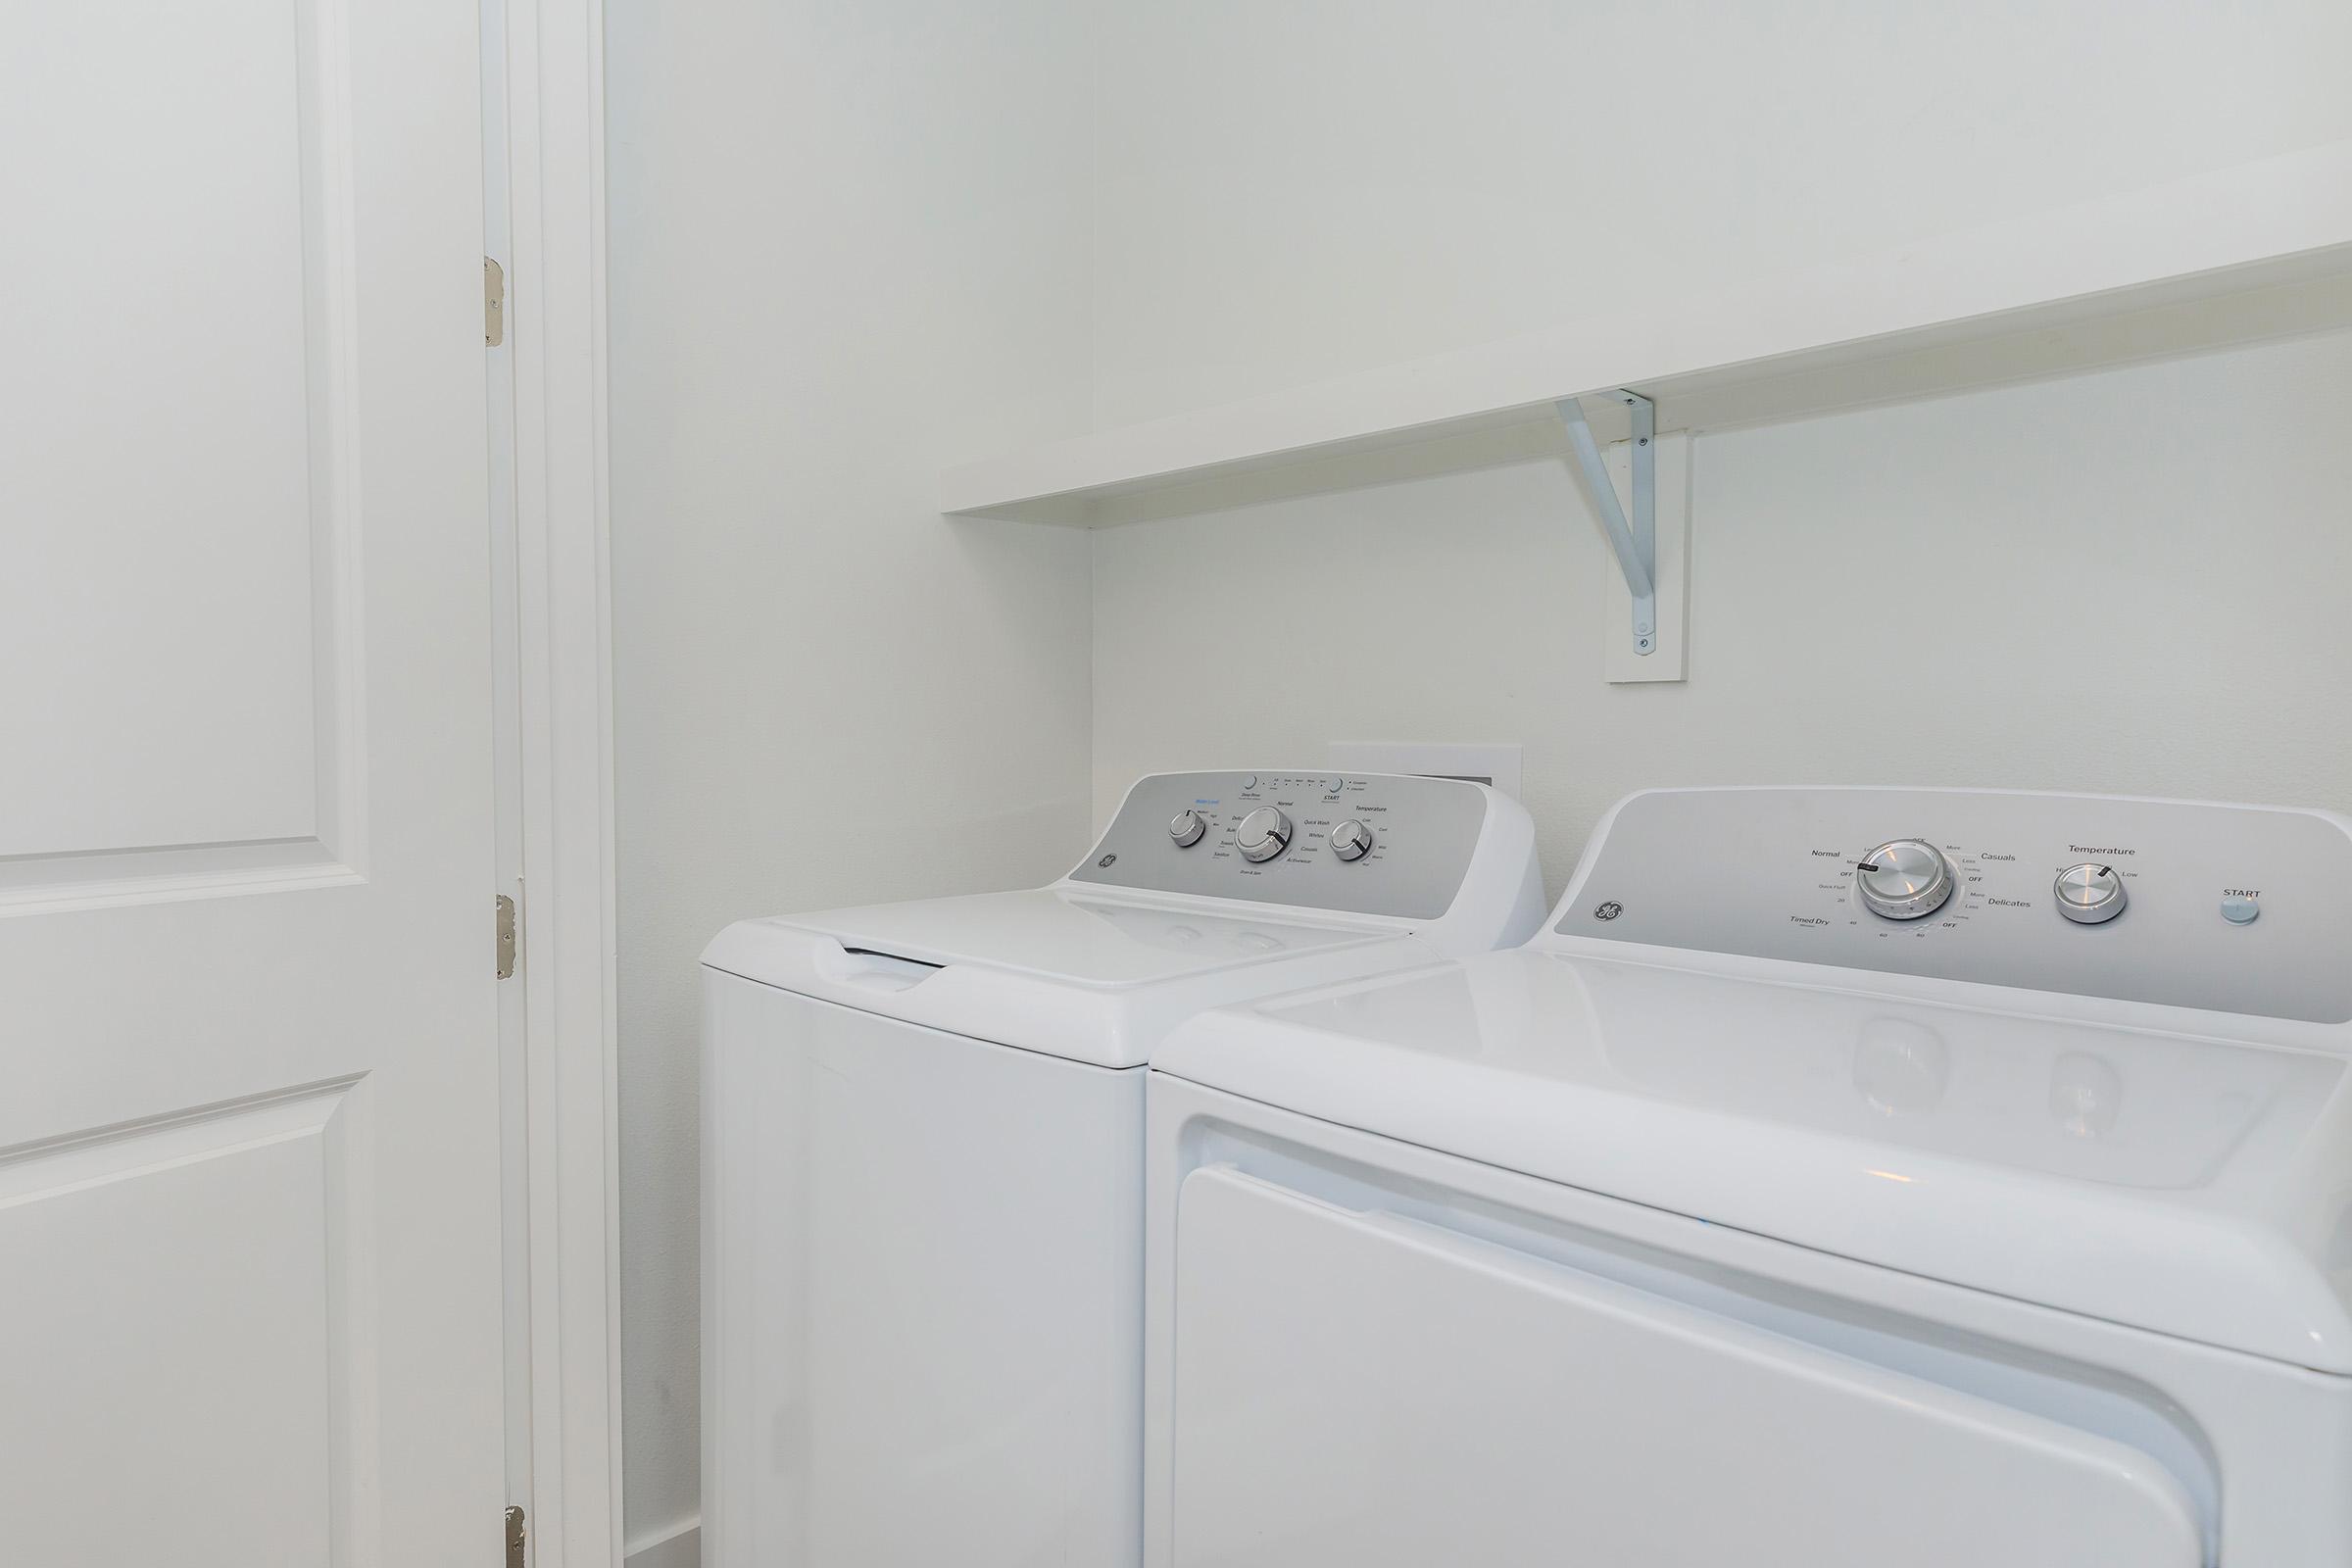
{"x":1361,"y":1391}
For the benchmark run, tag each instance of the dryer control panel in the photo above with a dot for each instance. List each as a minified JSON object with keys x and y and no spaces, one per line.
{"x":2233,"y":909}
{"x":1355,"y":843}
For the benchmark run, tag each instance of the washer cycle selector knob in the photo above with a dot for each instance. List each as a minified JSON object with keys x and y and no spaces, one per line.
{"x":1906,"y":879}
{"x":1351,"y":840}
{"x":2089,"y":893}
{"x":1186,"y":828}
{"x":1263,"y":833}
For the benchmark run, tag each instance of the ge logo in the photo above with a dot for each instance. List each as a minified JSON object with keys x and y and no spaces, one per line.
{"x":1106,"y":860}
{"x":1609,"y":910}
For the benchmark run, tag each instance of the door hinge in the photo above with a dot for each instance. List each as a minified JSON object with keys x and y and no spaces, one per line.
{"x":494,"y":302}
{"x":505,"y":937}
{"x":516,"y":1535}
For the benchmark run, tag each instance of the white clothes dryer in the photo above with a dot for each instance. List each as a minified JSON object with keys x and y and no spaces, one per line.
{"x":1845,"y":1177}
{"x":922,"y":1154}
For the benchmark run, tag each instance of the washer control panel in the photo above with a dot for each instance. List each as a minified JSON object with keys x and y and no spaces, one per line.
{"x":1356,"y":843}
{"x":2233,"y":909}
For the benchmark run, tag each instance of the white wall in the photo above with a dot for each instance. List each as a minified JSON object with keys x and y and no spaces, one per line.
{"x":856,"y":240}
{"x":1303,"y":189}
{"x":2133,"y":583}
{"x":1294,"y":189}
{"x":848,"y":246}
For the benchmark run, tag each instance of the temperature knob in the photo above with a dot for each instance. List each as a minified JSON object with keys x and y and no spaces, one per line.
{"x":1186,"y":828}
{"x":1352,"y":841}
{"x":2089,"y":893}
{"x":1907,"y":879}
{"x":1263,"y":833}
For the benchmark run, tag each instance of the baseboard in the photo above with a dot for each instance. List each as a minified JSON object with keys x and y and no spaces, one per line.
{"x":678,"y":1546}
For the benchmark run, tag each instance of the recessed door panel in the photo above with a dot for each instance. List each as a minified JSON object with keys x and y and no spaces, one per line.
{"x":173,"y":424}
{"x":173,"y":1298}
{"x":1364,"y":1390}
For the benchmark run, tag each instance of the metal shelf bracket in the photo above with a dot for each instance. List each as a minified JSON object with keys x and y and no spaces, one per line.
{"x":1635,"y":542}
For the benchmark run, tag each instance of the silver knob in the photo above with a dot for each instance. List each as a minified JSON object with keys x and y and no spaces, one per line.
{"x":2089,"y":893}
{"x":1906,"y":879}
{"x":1263,"y":833}
{"x":1351,"y":840}
{"x":1186,"y":828}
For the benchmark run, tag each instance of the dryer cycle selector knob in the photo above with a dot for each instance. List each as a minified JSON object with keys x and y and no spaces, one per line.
{"x":1904,"y":879}
{"x":2089,"y":893}
{"x":1351,"y":840}
{"x":1186,"y":828}
{"x":1263,"y":833}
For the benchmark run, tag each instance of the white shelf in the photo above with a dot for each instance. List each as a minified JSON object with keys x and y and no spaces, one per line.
{"x":2259,"y":251}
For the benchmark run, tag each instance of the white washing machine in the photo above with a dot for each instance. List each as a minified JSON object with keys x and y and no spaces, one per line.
{"x":1846,"y":1178}
{"x":922,"y":1156}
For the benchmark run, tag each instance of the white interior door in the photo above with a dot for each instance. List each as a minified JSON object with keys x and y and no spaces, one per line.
{"x":249,"y":1225}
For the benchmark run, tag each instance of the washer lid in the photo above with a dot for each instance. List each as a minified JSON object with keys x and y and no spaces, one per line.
{"x":2191,"y":1184}
{"x":1075,"y":939}
{"x":1095,"y":979}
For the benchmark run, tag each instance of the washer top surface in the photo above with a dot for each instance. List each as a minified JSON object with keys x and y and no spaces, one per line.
{"x":1205,"y":889}
{"x":2184,"y":1169}
{"x":1061,"y":935}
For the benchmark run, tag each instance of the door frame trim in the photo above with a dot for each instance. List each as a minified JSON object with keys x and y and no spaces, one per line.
{"x":554,"y":126}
